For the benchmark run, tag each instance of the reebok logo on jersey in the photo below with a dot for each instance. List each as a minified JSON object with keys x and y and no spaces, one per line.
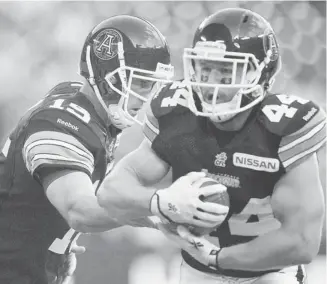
{"x":255,"y":163}
{"x":67,"y":124}
{"x":310,"y":114}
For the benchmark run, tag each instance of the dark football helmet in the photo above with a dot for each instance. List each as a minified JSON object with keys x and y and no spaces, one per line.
{"x":118,"y":52}
{"x":242,"y":46}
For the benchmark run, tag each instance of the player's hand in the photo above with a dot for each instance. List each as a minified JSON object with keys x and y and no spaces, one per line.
{"x":60,"y":267}
{"x":198,"y":247}
{"x":181,"y":203}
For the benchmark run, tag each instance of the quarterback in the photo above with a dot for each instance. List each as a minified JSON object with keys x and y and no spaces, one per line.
{"x":58,"y":153}
{"x":223,"y":120}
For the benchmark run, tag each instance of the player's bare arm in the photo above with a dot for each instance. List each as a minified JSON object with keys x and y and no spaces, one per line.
{"x":297,"y":202}
{"x":72,"y":193}
{"x":128,"y":192}
{"x":131,"y":182}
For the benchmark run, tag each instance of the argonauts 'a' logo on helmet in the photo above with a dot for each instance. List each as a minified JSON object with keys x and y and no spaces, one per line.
{"x":105,"y":44}
{"x":270,"y":43}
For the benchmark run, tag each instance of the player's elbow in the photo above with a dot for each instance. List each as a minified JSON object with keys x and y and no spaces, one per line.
{"x":307,"y":246}
{"x":306,"y":250}
{"x":306,"y":257}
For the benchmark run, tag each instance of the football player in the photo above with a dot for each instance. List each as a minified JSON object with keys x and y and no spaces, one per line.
{"x":58,"y":153}
{"x":262,"y":146}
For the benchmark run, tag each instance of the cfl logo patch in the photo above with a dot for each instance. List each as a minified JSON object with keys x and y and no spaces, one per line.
{"x":220,"y":160}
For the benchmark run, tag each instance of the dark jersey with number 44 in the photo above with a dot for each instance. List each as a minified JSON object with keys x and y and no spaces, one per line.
{"x":65,"y":130}
{"x":280,"y":133}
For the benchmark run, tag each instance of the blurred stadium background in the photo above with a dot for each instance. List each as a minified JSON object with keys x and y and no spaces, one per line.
{"x":40,"y":46}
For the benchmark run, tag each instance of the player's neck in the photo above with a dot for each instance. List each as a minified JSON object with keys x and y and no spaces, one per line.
{"x":234,"y":124}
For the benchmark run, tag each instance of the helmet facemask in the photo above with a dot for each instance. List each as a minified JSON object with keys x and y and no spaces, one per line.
{"x":221,"y":79}
{"x":122,"y":81}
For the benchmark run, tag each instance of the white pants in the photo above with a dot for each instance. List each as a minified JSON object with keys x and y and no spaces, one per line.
{"x":189,"y":275}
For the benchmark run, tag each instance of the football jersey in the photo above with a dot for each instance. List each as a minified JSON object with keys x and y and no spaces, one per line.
{"x":279,"y":134}
{"x":65,"y":130}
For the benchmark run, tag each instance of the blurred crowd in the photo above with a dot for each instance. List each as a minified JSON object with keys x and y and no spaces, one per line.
{"x":41,"y":44}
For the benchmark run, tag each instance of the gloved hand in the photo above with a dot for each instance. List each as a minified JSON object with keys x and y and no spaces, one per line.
{"x":183,"y":203}
{"x":198,"y":247}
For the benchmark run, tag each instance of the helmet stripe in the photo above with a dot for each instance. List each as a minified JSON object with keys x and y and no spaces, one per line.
{"x":91,"y":79}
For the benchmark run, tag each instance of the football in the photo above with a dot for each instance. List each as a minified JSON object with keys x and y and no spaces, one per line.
{"x":221,"y":197}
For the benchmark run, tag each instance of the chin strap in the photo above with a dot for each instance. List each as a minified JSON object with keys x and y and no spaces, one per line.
{"x":223,"y":107}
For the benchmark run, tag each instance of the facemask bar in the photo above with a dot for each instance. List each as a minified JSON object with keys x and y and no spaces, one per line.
{"x":191,"y":104}
{"x":245,"y":85}
{"x":243,"y":58}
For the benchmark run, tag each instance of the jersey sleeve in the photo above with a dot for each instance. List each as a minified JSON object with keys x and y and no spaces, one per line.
{"x":163,"y":103}
{"x":56,"y":139}
{"x":298,"y":146}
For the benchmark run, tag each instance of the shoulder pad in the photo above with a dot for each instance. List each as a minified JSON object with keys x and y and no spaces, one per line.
{"x":285,"y":114}
{"x":76,"y":105}
{"x":168,"y":98}
{"x":73,"y":113}
{"x":56,"y":123}
{"x":65,"y":88}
